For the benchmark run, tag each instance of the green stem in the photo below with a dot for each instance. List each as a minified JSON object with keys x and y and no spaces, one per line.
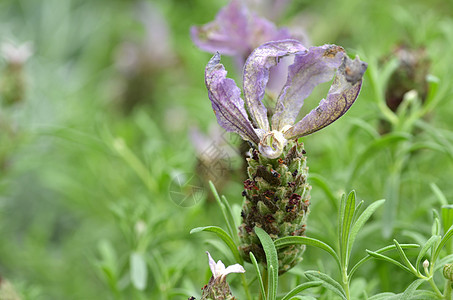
{"x":435,"y":288}
{"x":264,"y":278}
{"x":447,"y":290}
{"x":246,"y":287}
{"x":345,"y":283}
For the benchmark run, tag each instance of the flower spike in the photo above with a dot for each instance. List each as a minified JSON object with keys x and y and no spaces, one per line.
{"x":276,"y":192}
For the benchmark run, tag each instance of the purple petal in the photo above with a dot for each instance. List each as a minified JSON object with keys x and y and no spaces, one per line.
{"x":342,"y":94}
{"x":226,"y":101}
{"x":310,"y":69}
{"x":262,"y":30}
{"x":271,"y":9}
{"x":228,"y":33}
{"x":256,"y":75}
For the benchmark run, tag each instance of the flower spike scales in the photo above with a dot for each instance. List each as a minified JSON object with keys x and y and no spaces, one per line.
{"x":276,"y":192}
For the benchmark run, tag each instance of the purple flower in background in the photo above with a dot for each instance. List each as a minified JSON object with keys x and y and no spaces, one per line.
{"x":310,"y":68}
{"x":236,"y":32}
{"x":271,"y":9}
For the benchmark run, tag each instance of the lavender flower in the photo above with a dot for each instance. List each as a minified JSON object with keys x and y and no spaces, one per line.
{"x":236,"y":32}
{"x":311,"y":67}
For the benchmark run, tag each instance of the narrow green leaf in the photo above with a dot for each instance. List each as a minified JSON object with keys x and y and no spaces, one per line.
{"x":382,"y":296}
{"x":430,"y":243}
{"x":229,"y":211}
{"x":424,"y":295}
{"x":232,"y":232}
{"x":258,"y":275}
{"x":382,"y":250}
{"x":341,"y":214}
{"x":365,"y":126}
{"x":439,"y":194}
{"x":367,"y":213}
{"x":392,"y":191}
{"x":345,"y":228}
{"x":441,"y":262}
{"x":447,"y":216}
{"x":407,"y":294}
{"x":321,"y":182}
{"x":387,"y":70}
{"x":404,"y":258}
{"x":225,"y":238}
{"x":108,"y":255}
{"x":388,"y":259}
{"x":271,"y":259}
{"x":442,"y":243}
{"x":327,"y":281}
{"x":300,"y":288}
{"x":426,"y":146}
{"x":138,"y":270}
{"x":232,"y":220}
{"x":435,"y":229}
{"x":357,"y":211}
{"x":271,"y":288}
{"x":296,"y":240}
{"x":373,"y":148}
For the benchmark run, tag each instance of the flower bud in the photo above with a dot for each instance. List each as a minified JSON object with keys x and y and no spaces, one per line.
{"x":448,"y":272}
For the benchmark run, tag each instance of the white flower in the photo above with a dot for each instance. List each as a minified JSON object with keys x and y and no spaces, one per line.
{"x":16,"y":54}
{"x":218,"y":269}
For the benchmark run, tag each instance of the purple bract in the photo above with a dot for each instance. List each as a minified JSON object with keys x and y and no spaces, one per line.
{"x":310,"y":68}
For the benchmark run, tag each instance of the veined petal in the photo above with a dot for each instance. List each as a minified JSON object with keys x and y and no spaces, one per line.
{"x":226,"y":101}
{"x":342,"y":94}
{"x":309,"y":69}
{"x":212,"y":264}
{"x":228,"y":33}
{"x":236,"y":268}
{"x":256,"y":75}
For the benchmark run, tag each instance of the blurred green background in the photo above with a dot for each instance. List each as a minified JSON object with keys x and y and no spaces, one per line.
{"x":90,"y":153}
